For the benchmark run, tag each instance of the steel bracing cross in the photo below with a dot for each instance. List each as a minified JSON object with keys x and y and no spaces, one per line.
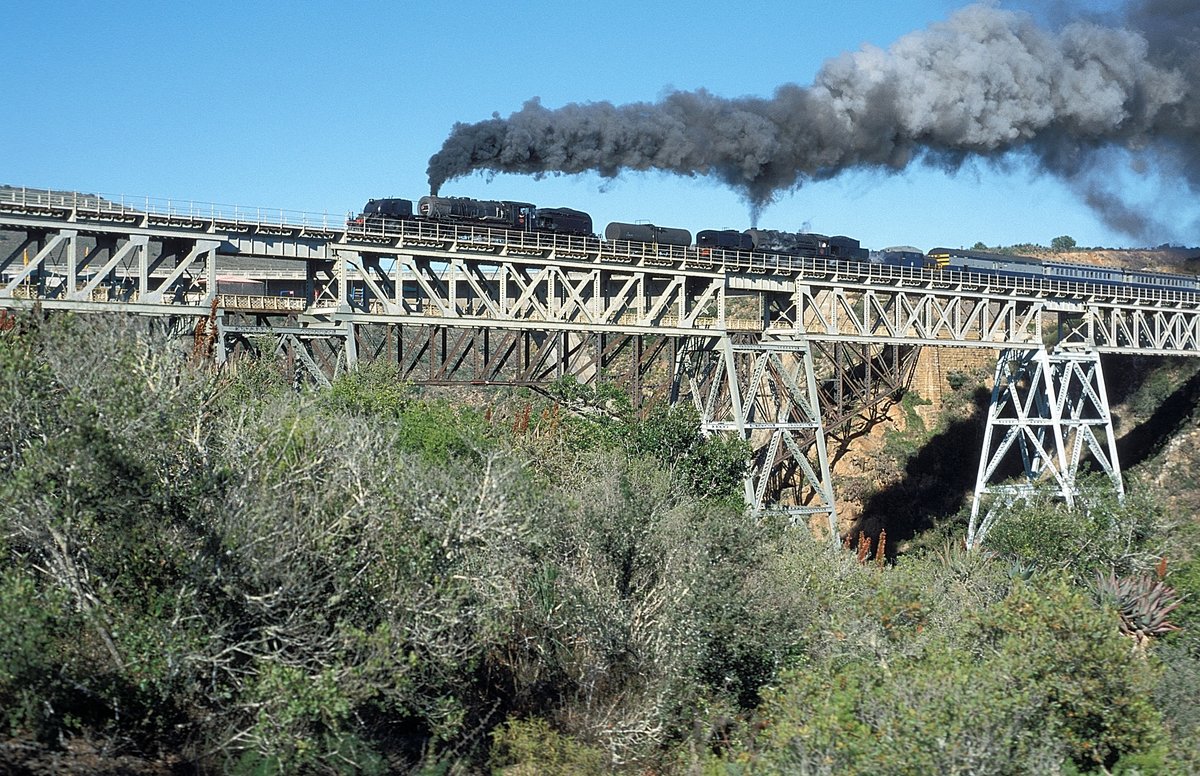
{"x":1048,"y":408}
{"x":764,"y":391}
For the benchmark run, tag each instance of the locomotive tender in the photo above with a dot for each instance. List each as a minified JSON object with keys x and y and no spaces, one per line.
{"x":527,"y":217}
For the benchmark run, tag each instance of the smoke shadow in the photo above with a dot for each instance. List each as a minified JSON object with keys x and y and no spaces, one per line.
{"x":936,"y":480}
{"x":1145,"y":440}
{"x":939,"y":477}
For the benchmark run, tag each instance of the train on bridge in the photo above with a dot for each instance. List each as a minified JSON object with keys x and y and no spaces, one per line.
{"x":1025,"y":266}
{"x":527,"y":217}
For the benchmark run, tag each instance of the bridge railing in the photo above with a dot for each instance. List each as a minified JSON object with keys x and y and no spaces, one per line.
{"x":508,"y":243}
{"x":754,"y":263}
{"x":256,"y":302}
{"x":125,"y":208}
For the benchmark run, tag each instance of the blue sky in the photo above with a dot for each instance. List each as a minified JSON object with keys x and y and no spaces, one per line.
{"x":321,"y":106}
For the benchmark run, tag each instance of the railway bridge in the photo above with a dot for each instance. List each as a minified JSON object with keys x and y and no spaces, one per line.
{"x":785,"y":352}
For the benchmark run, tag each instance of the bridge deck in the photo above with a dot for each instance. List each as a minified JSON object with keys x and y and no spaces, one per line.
{"x":392,"y":270}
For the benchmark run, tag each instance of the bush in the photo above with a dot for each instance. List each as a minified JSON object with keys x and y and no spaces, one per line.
{"x":709,"y":466}
{"x":34,"y":625}
{"x":1185,"y":578}
{"x":270,"y":580}
{"x":1044,"y":684}
{"x":957,"y":379}
{"x":1178,"y":695}
{"x":533,"y":748}
{"x":374,"y":390}
{"x":1099,"y":534}
{"x":440,"y":432}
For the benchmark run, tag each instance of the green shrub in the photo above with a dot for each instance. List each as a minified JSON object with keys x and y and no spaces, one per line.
{"x":1178,"y":696}
{"x":302,"y":724}
{"x":533,"y":748}
{"x":374,"y":390}
{"x":1091,"y":693}
{"x":1099,"y":534}
{"x":268,"y":580}
{"x":957,"y":379}
{"x":250,"y":381}
{"x":441,"y":432}
{"x":708,"y":466}
{"x":33,"y":626}
{"x":1044,"y":684}
{"x":1185,"y":578}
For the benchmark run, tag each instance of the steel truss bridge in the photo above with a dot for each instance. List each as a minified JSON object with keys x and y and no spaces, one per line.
{"x":785,"y":352}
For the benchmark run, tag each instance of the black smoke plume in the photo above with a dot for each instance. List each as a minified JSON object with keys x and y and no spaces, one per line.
{"x":985,"y":84}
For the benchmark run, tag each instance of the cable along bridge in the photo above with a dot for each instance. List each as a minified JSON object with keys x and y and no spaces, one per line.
{"x":786,"y":352}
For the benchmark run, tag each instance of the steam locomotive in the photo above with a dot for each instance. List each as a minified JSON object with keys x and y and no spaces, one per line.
{"x":503,"y":214}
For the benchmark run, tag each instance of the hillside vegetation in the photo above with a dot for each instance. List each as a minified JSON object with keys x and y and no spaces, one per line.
{"x":217,"y":572}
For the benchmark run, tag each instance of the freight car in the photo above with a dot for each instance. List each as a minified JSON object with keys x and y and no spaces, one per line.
{"x":905,"y":256}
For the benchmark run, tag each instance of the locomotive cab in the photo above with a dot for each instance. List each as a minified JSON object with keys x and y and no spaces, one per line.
{"x":522,"y":215}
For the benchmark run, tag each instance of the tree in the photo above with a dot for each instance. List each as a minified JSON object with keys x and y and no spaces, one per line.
{"x":1062,"y":243}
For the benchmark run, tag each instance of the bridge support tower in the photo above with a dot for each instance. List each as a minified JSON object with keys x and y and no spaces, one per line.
{"x":1048,"y":408}
{"x":763,"y":389}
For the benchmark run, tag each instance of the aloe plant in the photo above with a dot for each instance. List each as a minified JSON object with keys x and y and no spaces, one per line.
{"x":1144,"y":603}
